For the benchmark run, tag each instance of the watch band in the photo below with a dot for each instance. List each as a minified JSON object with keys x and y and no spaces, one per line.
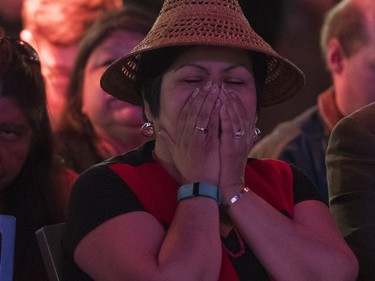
{"x":205,"y":189}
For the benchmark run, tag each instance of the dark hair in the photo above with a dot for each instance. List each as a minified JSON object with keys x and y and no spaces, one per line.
{"x":347,"y":23}
{"x":134,"y":18}
{"x":152,"y":66}
{"x":30,"y":196}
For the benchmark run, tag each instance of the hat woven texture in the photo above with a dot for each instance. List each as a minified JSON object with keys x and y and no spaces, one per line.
{"x":208,"y":23}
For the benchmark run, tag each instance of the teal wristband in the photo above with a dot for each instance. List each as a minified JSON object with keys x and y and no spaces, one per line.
{"x":192,"y":190}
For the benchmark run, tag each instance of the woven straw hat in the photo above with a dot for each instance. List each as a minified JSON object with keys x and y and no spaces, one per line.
{"x":210,"y":23}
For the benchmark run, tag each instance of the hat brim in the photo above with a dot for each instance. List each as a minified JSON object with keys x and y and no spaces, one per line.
{"x":203,"y":27}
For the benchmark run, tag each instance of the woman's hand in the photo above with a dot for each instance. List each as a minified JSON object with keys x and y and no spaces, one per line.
{"x":234,"y":141}
{"x":195,"y":149}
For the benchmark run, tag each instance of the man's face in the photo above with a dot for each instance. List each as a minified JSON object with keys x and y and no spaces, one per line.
{"x":358,"y":79}
{"x":56,"y":62}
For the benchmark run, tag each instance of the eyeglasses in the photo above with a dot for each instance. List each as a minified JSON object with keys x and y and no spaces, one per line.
{"x":22,"y":48}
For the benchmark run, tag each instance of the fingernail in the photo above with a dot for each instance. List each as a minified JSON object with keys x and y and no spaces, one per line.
{"x":215,"y":89}
{"x":195,"y":92}
{"x":207,"y":86}
{"x":223,"y":89}
{"x":223,"y":96}
{"x":232,"y":94}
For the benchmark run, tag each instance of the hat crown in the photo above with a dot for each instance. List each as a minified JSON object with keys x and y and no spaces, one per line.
{"x":204,"y":23}
{"x":195,"y":4}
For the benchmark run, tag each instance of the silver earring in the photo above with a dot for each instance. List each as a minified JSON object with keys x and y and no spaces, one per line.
{"x":147,"y":129}
{"x":257,"y":134}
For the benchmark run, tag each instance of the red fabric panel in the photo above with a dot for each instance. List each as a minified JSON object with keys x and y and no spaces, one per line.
{"x":157,"y":190}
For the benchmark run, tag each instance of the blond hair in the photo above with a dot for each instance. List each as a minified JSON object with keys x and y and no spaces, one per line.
{"x":63,"y":22}
{"x":347,"y":23}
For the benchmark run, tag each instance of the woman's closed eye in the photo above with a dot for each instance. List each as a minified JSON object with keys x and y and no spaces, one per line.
{"x":194,"y":80}
{"x":234,"y":82}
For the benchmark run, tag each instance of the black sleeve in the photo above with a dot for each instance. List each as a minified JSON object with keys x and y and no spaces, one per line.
{"x":97,"y":196}
{"x":303,"y":187}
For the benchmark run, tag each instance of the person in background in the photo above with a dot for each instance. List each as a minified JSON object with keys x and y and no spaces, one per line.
{"x":300,"y":35}
{"x":95,"y":125}
{"x":351,"y":184}
{"x":10,"y":17}
{"x":348,"y":43}
{"x":34,"y":185}
{"x":190,"y":205}
{"x":54,"y":28}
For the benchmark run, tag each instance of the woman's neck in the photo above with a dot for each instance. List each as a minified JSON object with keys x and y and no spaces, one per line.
{"x":113,"y":144}
{"x":164,"y":157}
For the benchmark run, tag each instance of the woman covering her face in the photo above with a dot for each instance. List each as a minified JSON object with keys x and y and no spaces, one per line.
{"x":190,"y":205}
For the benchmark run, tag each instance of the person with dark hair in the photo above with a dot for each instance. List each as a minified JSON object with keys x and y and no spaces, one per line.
{"x":34,"y":185}
{"x":190,"y":205}
{"x":351,"y":184}
{"x":348,"y":44}
{"x":94,"y":125}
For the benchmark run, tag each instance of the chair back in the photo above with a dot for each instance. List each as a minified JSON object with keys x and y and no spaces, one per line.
{"x":8,"y":235}
{"x":49,"y":241}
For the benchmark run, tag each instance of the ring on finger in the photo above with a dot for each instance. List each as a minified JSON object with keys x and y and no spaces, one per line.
{"x":201,"y":130}
{"x":238,"y":134}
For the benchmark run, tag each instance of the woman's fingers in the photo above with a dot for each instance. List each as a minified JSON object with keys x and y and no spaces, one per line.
{"x":182,"y":126}
{"x":195,"y":117}
{"x":233,"y":144}
{"x":196,"y":149}
{"x":203,"y":118}
{"x":236,"y":114}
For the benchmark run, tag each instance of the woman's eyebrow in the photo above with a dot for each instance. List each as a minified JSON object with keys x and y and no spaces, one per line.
{"x":229,"y":68}
{"x":192,"y":65}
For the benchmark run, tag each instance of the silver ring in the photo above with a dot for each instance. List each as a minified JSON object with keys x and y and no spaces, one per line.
{"x":239,"y":134}
{"x":202,"y":130}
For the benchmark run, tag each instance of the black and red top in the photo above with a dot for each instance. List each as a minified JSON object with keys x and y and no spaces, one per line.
{"x":136,"y":182}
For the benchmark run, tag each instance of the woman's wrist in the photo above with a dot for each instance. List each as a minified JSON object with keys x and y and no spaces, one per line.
{"x":234,"y":199}
{"x":197,"y":189}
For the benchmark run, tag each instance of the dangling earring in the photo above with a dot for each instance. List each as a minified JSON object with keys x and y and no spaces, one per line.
{"x":147,"y":129}
{"x":257,"y":134}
